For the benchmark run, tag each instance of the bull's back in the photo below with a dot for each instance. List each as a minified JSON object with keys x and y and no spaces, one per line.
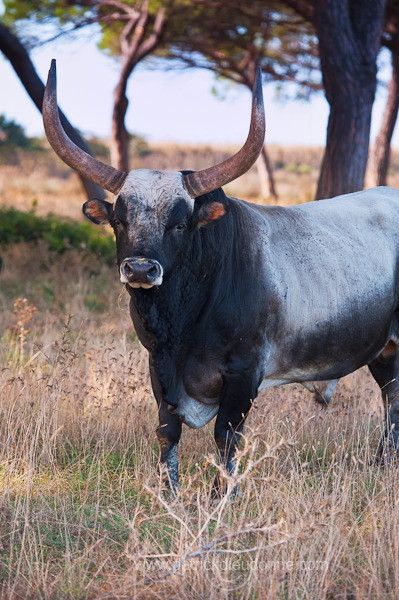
{"x":332,"y":272}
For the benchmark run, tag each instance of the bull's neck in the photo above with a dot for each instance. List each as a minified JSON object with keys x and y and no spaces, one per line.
{"x":167,"y":313}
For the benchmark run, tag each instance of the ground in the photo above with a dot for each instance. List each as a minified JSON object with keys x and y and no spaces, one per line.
{"x":82,"y":512}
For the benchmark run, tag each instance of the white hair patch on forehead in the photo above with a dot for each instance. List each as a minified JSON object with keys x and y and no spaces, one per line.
{"x":152,"y":187}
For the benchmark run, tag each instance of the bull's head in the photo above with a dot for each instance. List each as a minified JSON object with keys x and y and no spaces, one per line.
{"x":154,"y":211}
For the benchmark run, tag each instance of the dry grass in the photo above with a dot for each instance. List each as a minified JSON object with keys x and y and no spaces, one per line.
{"x":82,"y":515}
{"x":41,"y":180}
{"x":52,"y":187}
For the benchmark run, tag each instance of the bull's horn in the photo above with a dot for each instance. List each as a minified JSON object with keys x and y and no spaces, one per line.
{"x":107,"y":177}
{"x":212,"y":178}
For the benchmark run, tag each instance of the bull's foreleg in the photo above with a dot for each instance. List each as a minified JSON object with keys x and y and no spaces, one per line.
{"x":168,"y":434}
{"x":385,"y":370}
{"x":237,"y":396}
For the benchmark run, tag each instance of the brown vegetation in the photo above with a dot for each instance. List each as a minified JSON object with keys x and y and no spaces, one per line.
{"x":41,"y":177}
{"x":82,"y":514}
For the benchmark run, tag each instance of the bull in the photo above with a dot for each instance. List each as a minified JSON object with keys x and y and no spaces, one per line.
{"x":229,"y":297}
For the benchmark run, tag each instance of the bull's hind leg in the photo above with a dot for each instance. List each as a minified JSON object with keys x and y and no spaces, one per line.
{"x":385,"y":370}
{"x":322,"y":390}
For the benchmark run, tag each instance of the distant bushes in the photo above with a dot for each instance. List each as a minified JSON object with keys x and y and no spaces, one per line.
{"x":12,"y":136}
{"x":14,"y":142}
{"x":59,"y":234}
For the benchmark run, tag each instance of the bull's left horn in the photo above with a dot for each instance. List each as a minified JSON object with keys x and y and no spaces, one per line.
{"x":107,"y":177}
{"x":210,"y":179}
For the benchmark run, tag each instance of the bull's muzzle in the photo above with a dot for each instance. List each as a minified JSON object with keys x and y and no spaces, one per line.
{"x":141,"y":272}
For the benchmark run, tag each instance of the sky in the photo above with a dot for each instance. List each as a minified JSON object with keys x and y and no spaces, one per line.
{"x":175,"y":106}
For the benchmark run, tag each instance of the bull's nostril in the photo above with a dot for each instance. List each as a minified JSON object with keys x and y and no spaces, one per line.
{"x":127,"y":269}
{"x":153,"y":272}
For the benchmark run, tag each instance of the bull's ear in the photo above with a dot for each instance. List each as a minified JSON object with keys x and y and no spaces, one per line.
{"x":210,"y":212}
{"x":98,"y":211}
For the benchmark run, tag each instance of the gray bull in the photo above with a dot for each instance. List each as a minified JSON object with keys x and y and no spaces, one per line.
{"x":229,"y":297}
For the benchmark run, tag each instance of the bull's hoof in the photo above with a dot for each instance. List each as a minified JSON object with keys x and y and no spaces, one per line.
{"x":169,"y":484}
{"x":171,"y":488}
{"x":386,"y":457}
{"x":377,"y":461}
{"x":219,"y":490}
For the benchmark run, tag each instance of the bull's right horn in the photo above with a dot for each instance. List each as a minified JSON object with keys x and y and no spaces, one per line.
{"x":207,"y":180}
{"x":105,"y":176}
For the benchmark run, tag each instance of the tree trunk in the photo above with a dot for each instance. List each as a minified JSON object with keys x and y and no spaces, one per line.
{"x":119,"y":144}
{"x":266,"y":176}
{"x":135,"y":47}
{"x":23,"y":66}
{"x":345,"y":158}
{"x":349,"y":41}
{"x":382,"y":146}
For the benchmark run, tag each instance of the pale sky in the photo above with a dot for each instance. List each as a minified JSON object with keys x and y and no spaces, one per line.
{"x":173,"y":106}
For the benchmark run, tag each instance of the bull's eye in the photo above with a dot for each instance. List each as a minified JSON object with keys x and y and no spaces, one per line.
{"x":180,"y":227}
{"x":116,"y":223}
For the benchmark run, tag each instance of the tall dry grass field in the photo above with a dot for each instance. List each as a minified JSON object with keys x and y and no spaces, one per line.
{"x":82,"y":513}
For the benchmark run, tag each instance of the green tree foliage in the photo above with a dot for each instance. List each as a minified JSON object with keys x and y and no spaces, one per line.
{"x":68,"y":14}
{"x":130,"y":30}
{"x":215,"y":35}
{"x":226,"y":36}
{"x":231,"y":39}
